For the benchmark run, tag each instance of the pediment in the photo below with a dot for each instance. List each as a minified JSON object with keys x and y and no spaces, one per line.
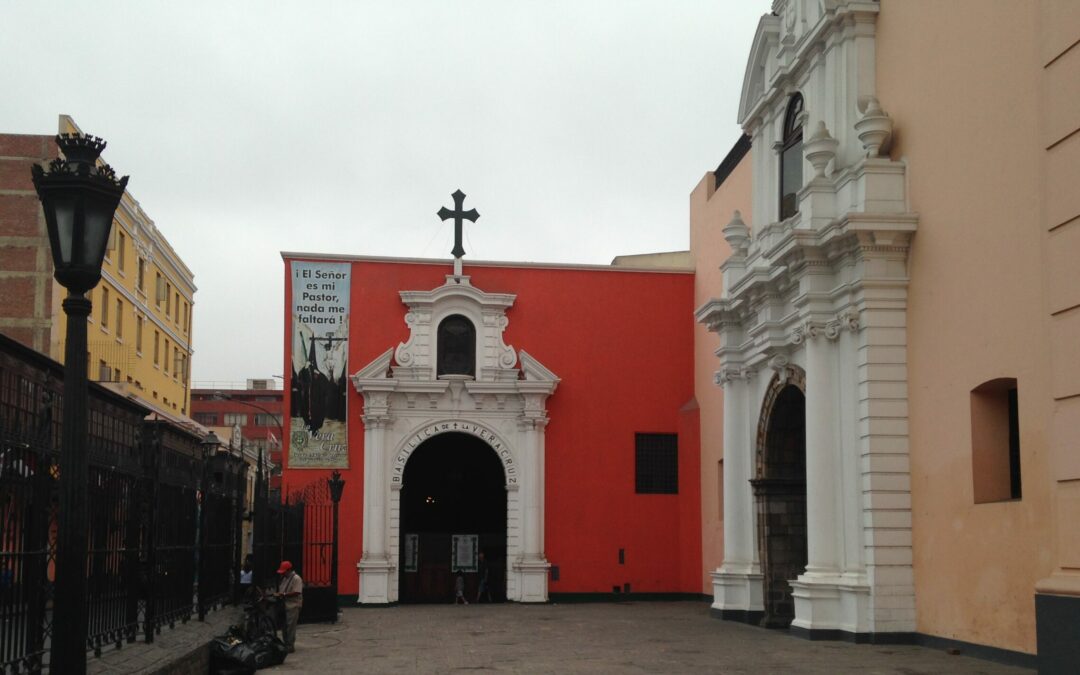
{"x":378,"y":369}
{"x":533,"y":370}
{"x":755,"y":79}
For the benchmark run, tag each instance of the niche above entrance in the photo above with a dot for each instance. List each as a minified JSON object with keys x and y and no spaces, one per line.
{"x":457,"y":301}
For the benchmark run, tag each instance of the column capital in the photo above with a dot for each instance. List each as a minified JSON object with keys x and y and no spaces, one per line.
{"x":729,"y":374}
{"x":376,"y":421}
{"x":532,"y":423}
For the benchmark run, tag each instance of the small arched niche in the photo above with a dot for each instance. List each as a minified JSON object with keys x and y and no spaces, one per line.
{"x":456,"y":351}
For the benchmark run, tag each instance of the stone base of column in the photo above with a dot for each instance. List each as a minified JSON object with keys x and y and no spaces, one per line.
{"x":532,"y":580}
{"x":374,"y":581}
{"x":737,"y":594}
{"x":828,"y":605}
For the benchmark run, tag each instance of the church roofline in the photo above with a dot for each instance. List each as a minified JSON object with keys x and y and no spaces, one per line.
{"x":294,"y":255}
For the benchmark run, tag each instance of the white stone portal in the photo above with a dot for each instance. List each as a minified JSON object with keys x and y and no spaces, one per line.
{"x":405,"y":403}
{"x":824,"y":290}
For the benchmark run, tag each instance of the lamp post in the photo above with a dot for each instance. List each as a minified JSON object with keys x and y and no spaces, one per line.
{"x":79,"y":198}
{"x":210,"y":446}
{"x":336,"y":484}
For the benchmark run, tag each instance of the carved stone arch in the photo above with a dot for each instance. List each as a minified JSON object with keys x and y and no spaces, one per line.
{"x":420,"y":433}
{"x":780,"y":493}
{"x":788,"y":375}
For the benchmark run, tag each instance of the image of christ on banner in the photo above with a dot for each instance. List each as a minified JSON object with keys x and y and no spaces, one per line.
{"x":320,"y":332}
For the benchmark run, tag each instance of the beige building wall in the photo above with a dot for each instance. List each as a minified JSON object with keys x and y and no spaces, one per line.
{"x":666,"y":260}
{"x":711,"y":207}
{"x":976,"y":107}
{"x":1059,"y":225}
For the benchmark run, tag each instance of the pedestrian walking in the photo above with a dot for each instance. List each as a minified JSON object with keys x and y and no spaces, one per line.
{"x":459,"y":590}
{"x":482,"y":574}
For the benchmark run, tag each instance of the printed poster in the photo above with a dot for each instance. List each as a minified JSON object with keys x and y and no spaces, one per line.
{"x":320,"y":333}
{"x":463,"y":550}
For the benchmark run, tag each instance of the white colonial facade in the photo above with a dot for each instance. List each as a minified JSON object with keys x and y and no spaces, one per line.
{"x":503,"y":404}
{"x":819,"y":298}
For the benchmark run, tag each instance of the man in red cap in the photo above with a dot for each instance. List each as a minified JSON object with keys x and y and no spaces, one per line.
{"x":291,"y":590}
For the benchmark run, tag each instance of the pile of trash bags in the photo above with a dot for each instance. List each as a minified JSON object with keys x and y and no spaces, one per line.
{"x":249,"y":646}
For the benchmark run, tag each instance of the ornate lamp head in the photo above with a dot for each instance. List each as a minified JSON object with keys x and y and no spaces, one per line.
{"x":79,"y":198}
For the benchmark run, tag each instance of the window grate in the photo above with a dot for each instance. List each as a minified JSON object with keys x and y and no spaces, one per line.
{"x":657,"y":463}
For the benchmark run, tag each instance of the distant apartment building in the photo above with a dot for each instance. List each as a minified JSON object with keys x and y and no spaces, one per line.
{"x":257,"y":409}
{"x":140,"y":333}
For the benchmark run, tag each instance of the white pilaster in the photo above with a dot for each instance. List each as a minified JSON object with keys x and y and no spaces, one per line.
{"x":533,"y":567}
{"x":375,"y":567}
{"x":737,"y":582}
{"x":817,"y":591}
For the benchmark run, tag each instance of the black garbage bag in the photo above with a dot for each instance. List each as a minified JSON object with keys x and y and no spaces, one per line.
{"x":269,"y":651}
{"x":231,"y":656}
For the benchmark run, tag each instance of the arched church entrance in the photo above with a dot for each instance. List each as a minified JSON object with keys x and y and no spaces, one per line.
{"x":780,"y":492}
{"x":453,"y":508}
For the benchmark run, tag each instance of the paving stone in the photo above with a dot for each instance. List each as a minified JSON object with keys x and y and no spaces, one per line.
{"x":629,"y":637}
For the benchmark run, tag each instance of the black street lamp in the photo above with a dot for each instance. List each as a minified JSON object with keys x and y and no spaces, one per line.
{"x":336,"y":484}
{"x":211,"y":444}
{"x":79,"y":198}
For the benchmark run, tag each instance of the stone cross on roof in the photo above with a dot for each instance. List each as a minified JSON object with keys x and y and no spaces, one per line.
{"x":458,"y":214}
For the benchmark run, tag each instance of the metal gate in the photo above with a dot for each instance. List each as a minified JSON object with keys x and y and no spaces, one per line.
{"x":303,"y":529}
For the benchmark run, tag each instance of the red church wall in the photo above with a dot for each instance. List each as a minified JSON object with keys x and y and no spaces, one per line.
{"x":622,"y":344}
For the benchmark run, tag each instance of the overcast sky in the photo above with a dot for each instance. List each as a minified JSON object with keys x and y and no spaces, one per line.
{"x":577,"y":130}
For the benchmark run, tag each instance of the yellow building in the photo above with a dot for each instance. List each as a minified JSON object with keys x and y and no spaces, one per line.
{"x":140,"y":330}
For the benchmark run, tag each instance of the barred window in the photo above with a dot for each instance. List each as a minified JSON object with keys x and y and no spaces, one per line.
{"x":657,"y":463}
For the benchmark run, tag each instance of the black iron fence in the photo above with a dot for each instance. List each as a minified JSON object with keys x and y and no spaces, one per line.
{"x":164,"y":516}
{"x":302,"y":528}
{"x":164,"y":520}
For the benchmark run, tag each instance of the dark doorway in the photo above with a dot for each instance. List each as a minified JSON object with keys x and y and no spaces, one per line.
{"x":453,"y":485}
{"x":780,"y":489}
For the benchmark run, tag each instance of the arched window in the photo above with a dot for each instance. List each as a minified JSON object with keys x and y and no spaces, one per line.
{"x":791,"y":159}
{"x":456,"y":346}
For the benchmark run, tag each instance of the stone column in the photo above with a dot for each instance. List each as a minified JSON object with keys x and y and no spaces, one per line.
{"x":377,"y":539}
{"x":737,"y":583}
{"x":823,"y":521}
{"x":533,"y":567}
{"x":817,"y":592}
{"x":375,"y":566}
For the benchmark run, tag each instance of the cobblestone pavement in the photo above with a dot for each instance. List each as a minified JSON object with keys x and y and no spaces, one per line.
{"x":168,"y":645}
{"x":648,"y":637}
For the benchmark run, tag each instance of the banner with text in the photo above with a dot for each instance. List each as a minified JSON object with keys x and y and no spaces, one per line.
{"x":320,"y":334}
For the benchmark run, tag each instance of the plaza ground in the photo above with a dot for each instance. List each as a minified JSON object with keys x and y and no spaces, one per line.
{"x":630,"y":637}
